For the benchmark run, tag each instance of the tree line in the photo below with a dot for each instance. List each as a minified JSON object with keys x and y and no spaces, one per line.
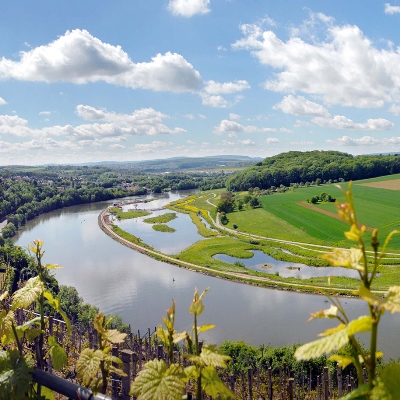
{"x":302,"y":167}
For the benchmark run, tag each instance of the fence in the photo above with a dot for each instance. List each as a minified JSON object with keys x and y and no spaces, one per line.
{"x":254,"y":384}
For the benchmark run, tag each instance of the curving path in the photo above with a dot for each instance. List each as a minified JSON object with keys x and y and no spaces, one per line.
{"x":239,"y":277}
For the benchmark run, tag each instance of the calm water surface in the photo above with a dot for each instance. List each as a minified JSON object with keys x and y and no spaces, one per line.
{"x":140,"y":289}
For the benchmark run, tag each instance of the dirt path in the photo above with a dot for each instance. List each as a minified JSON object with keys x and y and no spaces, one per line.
{"x":242,"y":278}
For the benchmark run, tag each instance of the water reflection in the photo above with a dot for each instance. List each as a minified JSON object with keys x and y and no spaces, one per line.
{"x":140,"y":289}
{"x":262,"y":262}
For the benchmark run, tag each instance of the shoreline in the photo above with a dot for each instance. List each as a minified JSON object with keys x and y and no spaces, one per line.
{"x":259,"y":281}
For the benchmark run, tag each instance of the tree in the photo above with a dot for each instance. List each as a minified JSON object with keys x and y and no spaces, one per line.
{"x":254,"y":202}
{"x":226,"y":205}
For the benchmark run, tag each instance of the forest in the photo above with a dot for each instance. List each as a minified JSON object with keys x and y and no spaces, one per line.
{"x":302,"y":167}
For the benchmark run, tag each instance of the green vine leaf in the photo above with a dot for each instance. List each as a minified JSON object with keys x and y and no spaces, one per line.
{"x":212,"y":384}
{"x":88,"y":365}
{"x":156,"y":382}
{"x":359,"y":325}
{"x":54,"y":302}
{"x":326,"y":345}
{"x":342,"y":360}
{"x":57,"y":354}
{"x":351,"y":258}
{"x":361,"y":393}
{"x":210,"y":356}
{"x":24,"y":297}
{"x":392,"y":301}
{"x":388,"y":384}
{"x":15,"y":377}
{"x":114,"y":336}
{"x":6,"y":321}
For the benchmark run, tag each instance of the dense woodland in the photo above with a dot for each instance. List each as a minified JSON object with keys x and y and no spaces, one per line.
{"x":302,"y":167}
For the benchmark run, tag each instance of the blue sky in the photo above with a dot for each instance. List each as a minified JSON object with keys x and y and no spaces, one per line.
{"x":143,"y":79}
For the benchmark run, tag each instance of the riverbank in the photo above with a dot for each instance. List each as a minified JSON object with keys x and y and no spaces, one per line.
{"x":106,"y":226}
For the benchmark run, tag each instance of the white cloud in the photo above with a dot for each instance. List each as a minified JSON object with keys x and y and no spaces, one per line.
{"x":227,"y":126}
{"x":364,"y":141}
{"x":341,"y":122}
{"x":80,"y":58}
{"x":2,"y":101}
{"x":188,"y":8}
{"x":202,"y":116}
{"x":227,"y":143}
{"x":346,"y":68}
{"x":221,"y":48}
{"x":215,"y":88}
{"x":286,"y":130}
{"x":246,"y":142}
{"x":215,"y":101}
{"x":299,"y":123}
{"x":189,"y":116}
{"x":389,"y":9}
{"x":145,"y":121}
{"x":301,"y":106}
{"x":190,"y":142}
{"x":302,"y":143}
{"x":117,"y":146}
{"x":234,"y":117}
{"x":395,"y":109}
{"x":272,"y":140}
{"x":45,"y":113}
{"x":232,"y":134}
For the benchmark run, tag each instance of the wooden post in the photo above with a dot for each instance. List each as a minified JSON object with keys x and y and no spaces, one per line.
{"x":290,"y":390}
{"x":134,"y":365}
{"x":159,"y":352}
{"x":126,"y":357}
{"x":250,"y":377}
{"x":114,"y":352}
{"x":140,"y":353}
{"x":270,"y":390}
{"x":232,"y":382}
{"x":339,"y":381}
{"x":284,"y":380}
{"x":325,"y":384}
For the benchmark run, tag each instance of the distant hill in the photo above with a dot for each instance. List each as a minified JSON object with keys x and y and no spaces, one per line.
{"x":228,"y":162}
{"x":297,"y":167}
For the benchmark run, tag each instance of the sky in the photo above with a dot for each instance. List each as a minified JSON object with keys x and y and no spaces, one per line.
{"x":85,"y":81}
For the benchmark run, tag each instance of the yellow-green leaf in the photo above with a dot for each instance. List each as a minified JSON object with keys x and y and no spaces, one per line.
{"x":388,"y":384}
{"x":114,"y":336}
{"x":57,"y":354}
{"x":54,"y":302}
{"x":204,"y":328}
{"x":345,"y":258}
{"x":369,"y":297}
{"x":6,"y":321}
{"x":342,"y":361}
{"x":213,"y":386}
{"x":157,"y":382}
{"x":329,"y":331}
{"x":331,"y":312}
{"x":88,"y":365}
{"x":359,"y":325}
{"x":211,"y":356}
{"x":180,"y":336}
{"x":322,"y":346}
{"x":392,"y":301}
{"x":53,"y":266}
{"x":24,"y":297}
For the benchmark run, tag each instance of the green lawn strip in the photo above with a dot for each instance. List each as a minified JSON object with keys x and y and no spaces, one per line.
{"x":163,"y":228}
{"x":201,"y":228}
{"x":129,"y":237}
{"x":161,"y":219}
{"x":127,"y":214}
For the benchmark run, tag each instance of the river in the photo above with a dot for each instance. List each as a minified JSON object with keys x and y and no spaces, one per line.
{"x":121,"y":281}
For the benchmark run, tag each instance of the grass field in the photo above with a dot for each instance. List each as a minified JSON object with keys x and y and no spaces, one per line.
{"x":163,"y":228}
{"x":161,"y":219}
{"x":127,"y":214}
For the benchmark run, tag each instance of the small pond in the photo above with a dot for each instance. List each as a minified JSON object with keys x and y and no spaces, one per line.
{"x":262,"y":262}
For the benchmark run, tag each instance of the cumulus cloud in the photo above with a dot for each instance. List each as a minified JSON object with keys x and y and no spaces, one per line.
{"x":234,"y":117}
{"x":213,"y":87}
{"x":189,"y":116}
{"x":79,"y":57}
{"x":2,"y":101}
{"x":246,"y":142}
{"x":145,"y":121}
{"x":389,"y":9}
{"x":150,"y":147}
{"x":341,"y":122}
{"x":273,"y":140}
{"x":301,"y":106}
{"x":45,"y":113}
{"x":345,"y":68}
{"x":227,"y":126}
{"x":217,"y":101}
{"x":188,"y":8}
{"x":286,"y":130}
{"x":395,"y":109}
{"x":364,"y":141}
